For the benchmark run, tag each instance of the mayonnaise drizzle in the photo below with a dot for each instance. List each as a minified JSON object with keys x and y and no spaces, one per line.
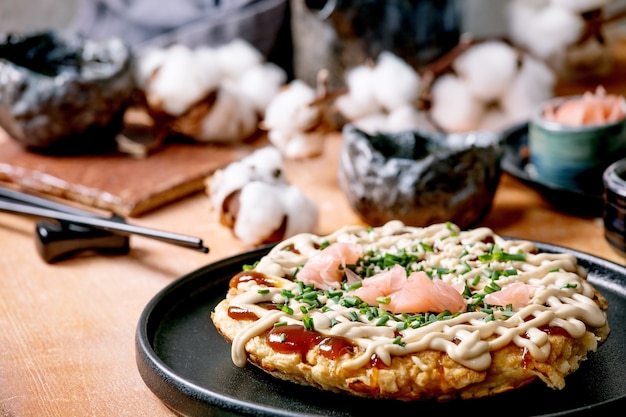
{"x":562,"y":296}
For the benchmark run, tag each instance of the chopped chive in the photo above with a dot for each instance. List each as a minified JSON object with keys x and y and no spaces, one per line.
{"x":263,"y":291}
{"x":398,"y":341}
{"x":383,"y":300}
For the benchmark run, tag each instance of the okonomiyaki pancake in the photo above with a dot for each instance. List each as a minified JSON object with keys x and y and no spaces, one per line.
{"x":413,"y":313}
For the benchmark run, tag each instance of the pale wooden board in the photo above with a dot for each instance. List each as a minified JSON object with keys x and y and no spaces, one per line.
{"x":117,"y":182}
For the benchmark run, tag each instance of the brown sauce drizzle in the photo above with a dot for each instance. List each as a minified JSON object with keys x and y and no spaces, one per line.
{"x":238,"y":313}
{"x":247,"y":276}
{"x":555,"y":331}
{"x":376,"y":362}
{"x":294,"y":338}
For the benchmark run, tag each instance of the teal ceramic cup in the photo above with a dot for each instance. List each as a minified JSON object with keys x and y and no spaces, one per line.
{"x":573,"y":157}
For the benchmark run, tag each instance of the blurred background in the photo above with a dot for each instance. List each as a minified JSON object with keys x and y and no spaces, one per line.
{"x":483,"y":16}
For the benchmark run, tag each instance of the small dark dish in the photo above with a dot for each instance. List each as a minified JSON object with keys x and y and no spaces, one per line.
{"x":516,"y":163}
{"x":418,"y":177}
{"x":614,"y":180}
{"x":62,"y":93}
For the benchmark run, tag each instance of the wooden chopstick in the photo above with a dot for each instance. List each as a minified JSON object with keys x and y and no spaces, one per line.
{"x":17,"y":202}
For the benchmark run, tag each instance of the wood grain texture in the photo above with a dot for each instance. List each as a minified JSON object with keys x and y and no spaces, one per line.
{"x":117,"y":182}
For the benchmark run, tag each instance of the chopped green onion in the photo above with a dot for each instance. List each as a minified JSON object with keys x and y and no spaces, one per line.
{"x":383,"y":300}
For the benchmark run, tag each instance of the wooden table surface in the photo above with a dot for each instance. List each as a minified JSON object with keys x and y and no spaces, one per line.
{"x":67,"y":330}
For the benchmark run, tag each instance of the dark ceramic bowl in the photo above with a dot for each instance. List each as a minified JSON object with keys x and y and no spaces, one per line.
{"x":614,"y":180}
{"x":420,"y":178}
{"x":62,"y":93}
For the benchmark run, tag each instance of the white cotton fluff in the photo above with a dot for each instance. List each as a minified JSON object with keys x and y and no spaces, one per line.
{"x":520,"y":16}
{"x":407,"y":118}
{"x":454,"y":107}
{"x":360,"y":99}
{"x":545,"y":32}
{"x":395,"y":83}
{"x":176,"y":78}
{"x":581,"y":6}
{"x":488,"y":69}
{"x":266,"y":199}
{"x":261,"y":83}
{"x":147,"y":63}
{"x":264,"y":207}
{"x":206,"y":68}
{"x":174,"y":88}
{"x":291,"y":121}
{"x":372,"y":123}
{"x":297,"y":145}
{"x":533,"y":85}
{"x":261,"y":212}
{"x":301,"y":211}
{"x":290,"y":110}
{"x":232,"y":118}
{"x":264,"y":164}
{"x":236,"y":57}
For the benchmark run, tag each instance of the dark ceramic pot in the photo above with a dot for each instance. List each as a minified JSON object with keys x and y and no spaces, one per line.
{"x":63,"y":94}
{"x":420,"y":178}
{"x":614,"y":181}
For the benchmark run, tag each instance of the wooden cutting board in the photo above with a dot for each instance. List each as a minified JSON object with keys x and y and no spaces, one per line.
{"x":117,"y":182}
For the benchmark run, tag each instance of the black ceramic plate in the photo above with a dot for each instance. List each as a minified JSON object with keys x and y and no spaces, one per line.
{"x":188,"y":365}
{"x":516,"y":163}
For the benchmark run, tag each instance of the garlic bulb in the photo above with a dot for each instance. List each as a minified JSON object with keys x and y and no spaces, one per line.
{"x":254,"y":199}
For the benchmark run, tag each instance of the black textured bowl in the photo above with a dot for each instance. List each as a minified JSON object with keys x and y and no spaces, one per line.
{"x":614,"y":197}
{"x":420,"y":178}
{"x":63,"y":93}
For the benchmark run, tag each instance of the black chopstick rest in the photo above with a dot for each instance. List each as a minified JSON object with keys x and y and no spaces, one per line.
{"x":58,"y":241}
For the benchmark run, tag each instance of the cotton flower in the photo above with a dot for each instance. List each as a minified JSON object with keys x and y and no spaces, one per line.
{"x":263,"y":165}
{"x":558,"y":32}
{"x":209,"y":94}
{"x":294,"y":121}
{"x":254,"y":199}
{"x":494,"y":87}
{"x":376,"y":92}
{"x":454,"y":107}
{"x":395,"y":83}
{"x":489,"y":68}
{"x":173,"y":80}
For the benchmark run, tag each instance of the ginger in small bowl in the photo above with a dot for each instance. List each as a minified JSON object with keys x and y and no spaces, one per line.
{"x":573,"y":139}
